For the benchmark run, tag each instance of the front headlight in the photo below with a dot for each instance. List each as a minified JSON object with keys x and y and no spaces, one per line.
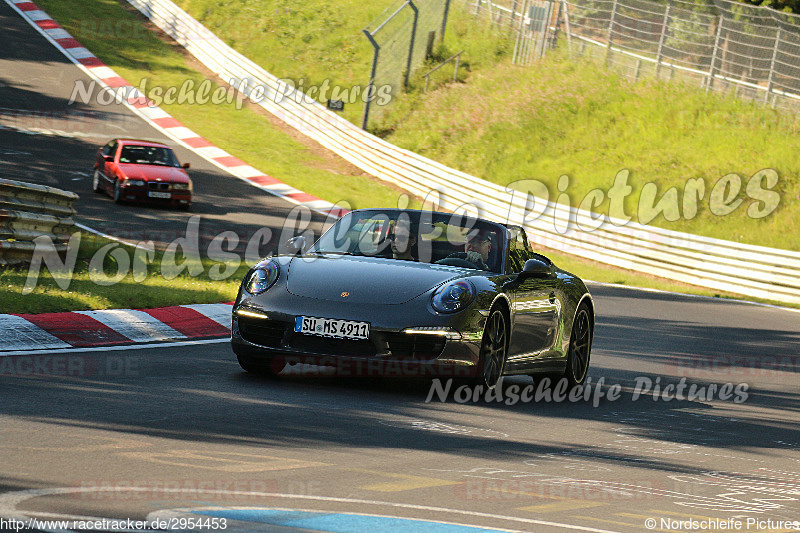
{"x":262,"y":278}
{"x":453,"y":296}
{"x":180,"y":186}
{"x":135,"y":183}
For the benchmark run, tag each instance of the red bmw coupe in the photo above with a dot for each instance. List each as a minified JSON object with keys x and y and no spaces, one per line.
{"x":142,"y":171}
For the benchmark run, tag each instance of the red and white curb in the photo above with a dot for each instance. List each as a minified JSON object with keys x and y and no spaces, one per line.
{"x":160,"y":119}
{"x":82,"y":329}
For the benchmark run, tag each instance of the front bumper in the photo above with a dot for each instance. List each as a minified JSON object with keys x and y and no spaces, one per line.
{"x":390,"y":351}
{"x":181,"y":197}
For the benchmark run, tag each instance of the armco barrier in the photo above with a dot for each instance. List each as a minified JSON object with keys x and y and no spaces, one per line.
{"x":717,"y":264}
{"x":28,"y":211}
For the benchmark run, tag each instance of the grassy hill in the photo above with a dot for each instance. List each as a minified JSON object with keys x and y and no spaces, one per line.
{"x":572,"y":117}
{"x":559,"y":117}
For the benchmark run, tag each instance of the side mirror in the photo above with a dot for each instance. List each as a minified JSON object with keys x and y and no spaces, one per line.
{"x":185,"y":165}
{"x":108,"y":158}
{"x":296,"y":244}
{"x":535,"y":268}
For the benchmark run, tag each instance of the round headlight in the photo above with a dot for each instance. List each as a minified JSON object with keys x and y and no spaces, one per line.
{"x":136,"y":183}
{"x":262,"y":278}
{"x":453,"y":296}
{"x":180,"y":186}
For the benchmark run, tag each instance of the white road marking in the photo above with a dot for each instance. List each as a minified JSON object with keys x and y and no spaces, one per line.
{"x":246,"y":171}
{"x":181,"y":132}
{"x":219,"y":313}
{"x":58,"y":33}
{"x":154,"y":113}
{"x":103,"y":72}
{"x":11,"y":500}
{"x":212,"y":152}
{"x":18,"y":334}
{"x":138,"y":326}
{"x":79,"y":52}
{"x":37,"y":15}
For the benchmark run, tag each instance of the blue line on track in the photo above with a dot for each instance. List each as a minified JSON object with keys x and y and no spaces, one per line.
{"x":339,"y":522}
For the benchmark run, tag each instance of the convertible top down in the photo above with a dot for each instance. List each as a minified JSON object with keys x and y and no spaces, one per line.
{"x":425,"y":292}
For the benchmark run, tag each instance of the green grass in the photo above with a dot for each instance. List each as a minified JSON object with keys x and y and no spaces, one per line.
{"x":572,"y":117}
{"x":558,"y":117}
{"x":84,"y":293}
{"x":120,"y":39}
{"x":321,"y":39}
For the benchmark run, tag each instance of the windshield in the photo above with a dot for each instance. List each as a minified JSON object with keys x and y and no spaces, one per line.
{"x":421,"y":236}
{"x":148,"y":155}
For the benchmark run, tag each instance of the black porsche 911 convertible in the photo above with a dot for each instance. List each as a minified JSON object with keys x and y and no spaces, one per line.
{"x":403,"y":292}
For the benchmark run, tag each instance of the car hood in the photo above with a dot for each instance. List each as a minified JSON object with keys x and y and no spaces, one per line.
{"x":365,"y":279}
{"x":154,"y":173}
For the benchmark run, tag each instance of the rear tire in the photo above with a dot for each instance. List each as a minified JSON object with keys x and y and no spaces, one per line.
{"x":580,"y":347}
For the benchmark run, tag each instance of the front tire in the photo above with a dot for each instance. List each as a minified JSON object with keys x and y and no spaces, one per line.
{"x":254,"y":365}
{"x":494,"y":347}
{"x":117,"y":192}
{"x":580,"y":347}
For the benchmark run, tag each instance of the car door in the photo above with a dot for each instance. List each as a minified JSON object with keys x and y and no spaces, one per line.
{"x":534,"y":304}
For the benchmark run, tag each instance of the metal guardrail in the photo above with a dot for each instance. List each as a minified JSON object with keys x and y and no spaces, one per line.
{"x":714,"y":263}
{"x":28,"y":211}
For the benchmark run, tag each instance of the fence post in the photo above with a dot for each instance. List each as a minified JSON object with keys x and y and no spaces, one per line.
{"x":660,"y":51}
{"x":611,"y":30}
{"x":558,"y":22}
{"x":548,"y":16}
{"x":566,"y":26}
{"x":710,"y":84}
{"x":514,"y":11}
{"x":444,"y":20}
{"x":411,"y":46}
{"x":772,"y":64}
{"x":519,"y":43}
{"x":377,"y":50}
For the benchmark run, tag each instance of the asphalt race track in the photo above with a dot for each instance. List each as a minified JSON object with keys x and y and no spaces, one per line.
{"x":44,"y":140}
{"x":167,"y":431}
{"x":179,"y":433}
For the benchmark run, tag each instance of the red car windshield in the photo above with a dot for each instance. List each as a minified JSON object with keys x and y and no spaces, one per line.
{"x":148,"y":155}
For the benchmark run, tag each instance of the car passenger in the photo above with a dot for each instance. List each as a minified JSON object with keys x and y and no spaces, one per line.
{"x":403,"y":240}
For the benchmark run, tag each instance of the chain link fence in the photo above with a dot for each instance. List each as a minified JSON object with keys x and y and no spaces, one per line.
{"x":722,"y":45}
{"x":531,"y":23}
{"x":402,"y":37}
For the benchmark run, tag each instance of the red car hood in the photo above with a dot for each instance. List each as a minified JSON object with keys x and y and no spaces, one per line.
{"x":154,"y":173}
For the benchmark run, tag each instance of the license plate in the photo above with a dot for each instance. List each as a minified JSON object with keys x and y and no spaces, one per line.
{"x":153,"y":194}
{"x":331,"y":327}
